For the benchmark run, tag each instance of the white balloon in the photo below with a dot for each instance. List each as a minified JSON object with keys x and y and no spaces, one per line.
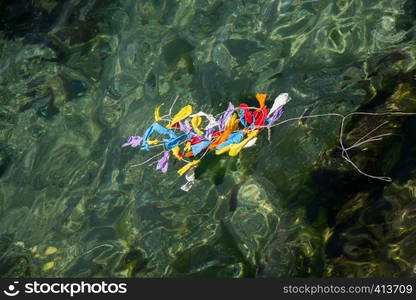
{"x":212,"y":122}
{"x":251,"y":143}
{"x":280,"y":100}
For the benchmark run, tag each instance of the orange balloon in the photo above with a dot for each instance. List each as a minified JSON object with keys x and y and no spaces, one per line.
{"x":261,"y":98}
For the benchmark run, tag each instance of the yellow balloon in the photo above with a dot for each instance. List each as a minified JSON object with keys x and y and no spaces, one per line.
{"x":182,"y":114}
{"x":153,"y":142}
{"x":187,"y":147}
{"x":157,"y":113}
{"x":236,"y":148}
{"x":196,"y":121}
{"x":175,"y":151}
{"x":186,"y":167}
{"x":223,"y":150}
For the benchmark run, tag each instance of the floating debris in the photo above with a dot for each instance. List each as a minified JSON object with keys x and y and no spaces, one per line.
{"x":228,"y":132}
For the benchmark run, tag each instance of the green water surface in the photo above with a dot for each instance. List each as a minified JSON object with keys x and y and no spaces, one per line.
{"x":77,"y":78}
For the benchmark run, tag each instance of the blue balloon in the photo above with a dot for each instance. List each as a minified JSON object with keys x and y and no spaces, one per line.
{"x":233,"y":138}
{"x":196,"y":148}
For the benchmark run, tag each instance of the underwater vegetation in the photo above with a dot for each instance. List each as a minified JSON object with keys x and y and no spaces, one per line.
{"x":77,"y":78}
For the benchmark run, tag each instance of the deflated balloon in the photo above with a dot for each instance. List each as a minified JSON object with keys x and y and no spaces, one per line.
{"x":186,"y":167}
{"x":181,"y":115}
{"x":163,"y":162}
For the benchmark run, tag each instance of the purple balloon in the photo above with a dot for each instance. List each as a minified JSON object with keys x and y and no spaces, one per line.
{"x":275,"y":116}
{"x":208,"y":132}
{"x":163,"y":162}
{"x":185,"y":127}
{"x":133,"y":141}
{"x":224,"y":118}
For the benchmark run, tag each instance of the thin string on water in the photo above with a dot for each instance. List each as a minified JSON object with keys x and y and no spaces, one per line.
{"x":171,"y":107}
{"x":370,"y":132}
{"x":146,"y":161}
{"x":169,"y":115}
{"x":345,"y":154}
{"x":372,"y":139}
